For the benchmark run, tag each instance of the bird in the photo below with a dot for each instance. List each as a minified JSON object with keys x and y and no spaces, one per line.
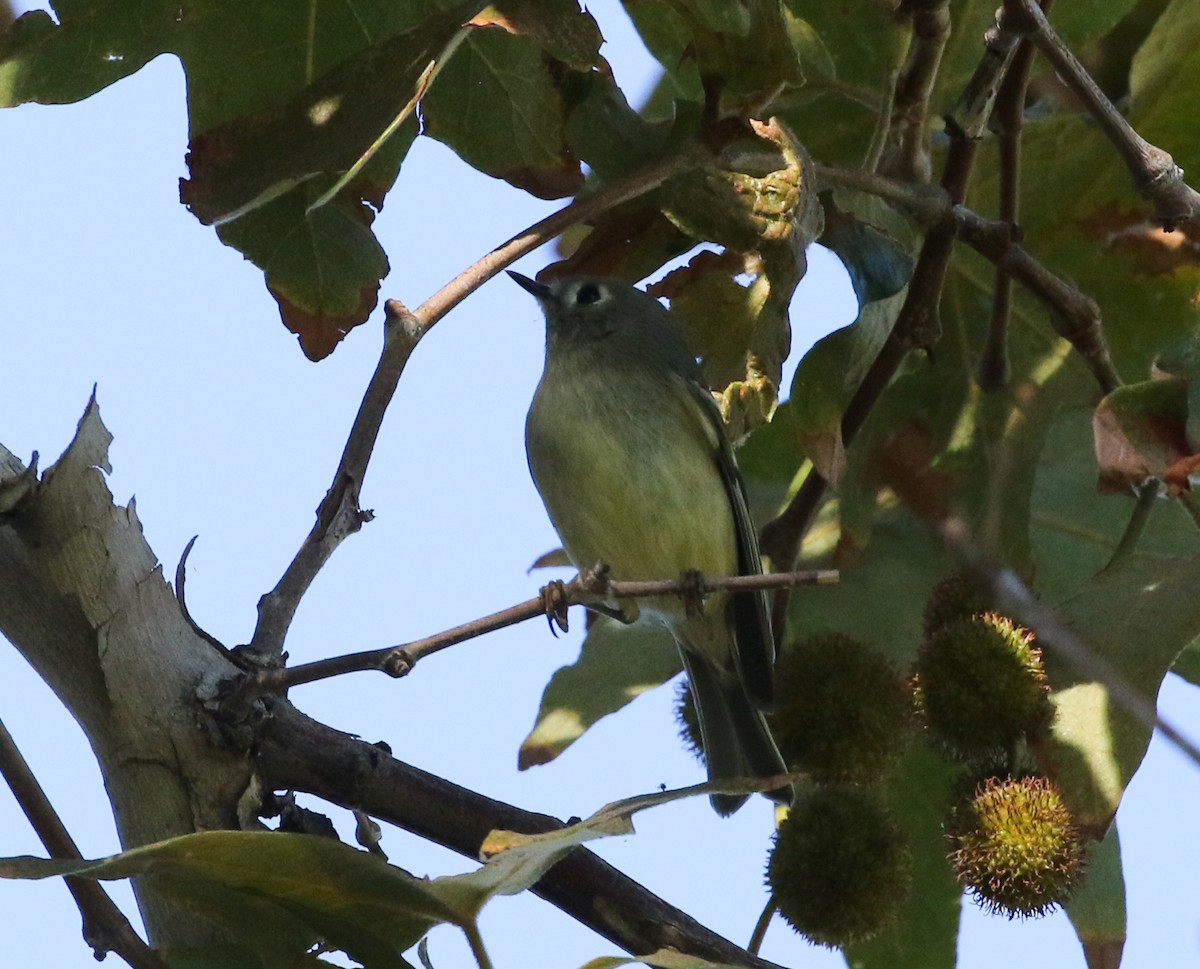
{"x":627,"y":448}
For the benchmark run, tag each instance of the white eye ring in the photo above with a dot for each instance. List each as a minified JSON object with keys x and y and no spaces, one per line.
{"x":588,"y":294}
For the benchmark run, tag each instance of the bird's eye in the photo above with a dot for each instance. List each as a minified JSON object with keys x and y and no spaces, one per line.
{"x":588,"y":293}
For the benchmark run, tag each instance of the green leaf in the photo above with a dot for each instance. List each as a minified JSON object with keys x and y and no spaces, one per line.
{"x":1163,"y":80}
{"x":1097,"y":912}
{"x":1074,"y":530}
{"x":1137,"y":616}
{"x":92,"y":46}
{"x":277,"y":103}
{"x":616,"y":664}
{"x":1187,"y":663}
{"x":925,"y":933}
{"x":277,"y":893}
{"x":740,"y":51}
{"x":496,"y":104}
{"x":826,"y":379}
{"x":323,"y":267}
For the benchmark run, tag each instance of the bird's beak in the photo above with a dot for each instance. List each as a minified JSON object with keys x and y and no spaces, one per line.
{"x":539,"y":291}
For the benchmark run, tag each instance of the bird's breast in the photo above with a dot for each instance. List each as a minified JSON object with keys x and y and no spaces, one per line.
{"x":628,"y":476}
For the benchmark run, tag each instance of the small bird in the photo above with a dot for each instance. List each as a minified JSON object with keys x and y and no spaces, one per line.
{"x":628,"y":450}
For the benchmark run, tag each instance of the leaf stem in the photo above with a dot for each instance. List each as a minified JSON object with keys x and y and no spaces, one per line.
{"x":478,"y":950}
{"x":761,"y":926}
{"x":1147,"y":495}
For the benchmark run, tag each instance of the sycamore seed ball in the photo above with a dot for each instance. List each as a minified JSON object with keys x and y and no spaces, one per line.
{"x":1015,"y":846}
{"x":982,"y":686}
{"x":957,"y":596}
{"x":840,"y":866}
{"x":843,"y":710}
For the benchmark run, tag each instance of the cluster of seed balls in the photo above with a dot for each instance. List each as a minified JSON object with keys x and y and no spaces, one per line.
{"x":840,"y":867}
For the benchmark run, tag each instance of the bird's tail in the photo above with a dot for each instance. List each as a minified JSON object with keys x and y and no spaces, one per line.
{"x":737,"y":742}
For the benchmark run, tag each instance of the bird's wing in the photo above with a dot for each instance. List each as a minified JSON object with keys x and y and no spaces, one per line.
{"x":755,"y":653}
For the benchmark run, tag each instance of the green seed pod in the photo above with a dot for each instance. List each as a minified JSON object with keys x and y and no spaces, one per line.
{"x":688,"y":722}
{"x":840,"y":866}
{"x":1015,"y":845}
{"x":982,"y":687}
{"x":843,"y":710}
{"x":957,"y":596}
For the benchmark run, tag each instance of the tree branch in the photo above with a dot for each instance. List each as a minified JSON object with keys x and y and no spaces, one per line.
{"x":105,"y":927}
{"x":338,"y":515}
{"x":298,"y":753}
{"x":590,"y":588}
{"x":918,"y":323}
{"x":1154,"y":172}
{"x":907,"y":153}
{"x":1074,"y":316}
{"x":1008,"y":119}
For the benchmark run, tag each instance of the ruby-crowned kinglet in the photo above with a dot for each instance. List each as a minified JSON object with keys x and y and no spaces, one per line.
{"x":628,"y":451}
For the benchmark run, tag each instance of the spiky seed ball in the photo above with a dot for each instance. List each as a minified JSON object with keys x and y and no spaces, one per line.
{"x":843,"y":710}
{"x":1015,"y":846}
{"x":982,"y":686}
{"x":840,"y":865}
{"x":689,"y":723}
{"x":957,"y":596}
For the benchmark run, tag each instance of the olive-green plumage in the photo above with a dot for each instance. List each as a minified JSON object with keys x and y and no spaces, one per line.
{"x":629,"y":453}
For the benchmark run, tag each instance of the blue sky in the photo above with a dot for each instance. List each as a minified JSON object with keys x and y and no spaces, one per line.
{"x":223,"y":429}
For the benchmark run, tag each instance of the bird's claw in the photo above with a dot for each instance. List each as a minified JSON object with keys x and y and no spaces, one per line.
{"x":555,"y":601}
{"x":692,"y":592}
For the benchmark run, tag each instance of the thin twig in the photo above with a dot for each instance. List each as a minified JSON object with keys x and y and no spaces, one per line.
{"x":1013,"y":597}
{"x":1009,"y":118}
{"x":538,"y":234}
{"x":588,"y":589}
{"x":105,"y":927}
{"x":181,"y":598}
{"x":339,"y":515}
{"x":907,"y":153}
{"x":1154,"y":172}
{"x":1075,"y":316}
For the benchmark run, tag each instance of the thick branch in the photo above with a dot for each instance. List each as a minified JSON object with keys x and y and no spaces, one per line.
{"x":105,"y":927}
{"x":1154,"y":172}
{"x":298,"y":753}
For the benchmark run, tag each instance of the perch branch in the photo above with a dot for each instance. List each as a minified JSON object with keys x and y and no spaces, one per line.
{"x":339,"y":515}
{"x":295,"y":752}
{"x":105,"y":927}
{"x":1154,"y":172}
{"x":589,"y":589}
